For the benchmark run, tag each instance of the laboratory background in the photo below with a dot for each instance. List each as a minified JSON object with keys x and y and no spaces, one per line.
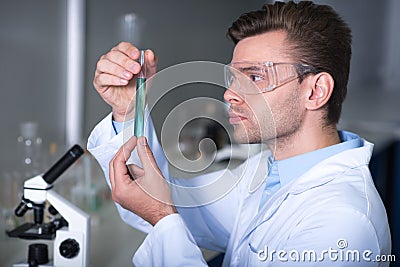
{"x":48,"y":54}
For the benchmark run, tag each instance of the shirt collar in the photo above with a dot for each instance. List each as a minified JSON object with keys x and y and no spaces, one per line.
{"x":294,"y":167}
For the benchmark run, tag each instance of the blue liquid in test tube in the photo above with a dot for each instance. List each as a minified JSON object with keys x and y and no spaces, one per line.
{"x":140,"y":98}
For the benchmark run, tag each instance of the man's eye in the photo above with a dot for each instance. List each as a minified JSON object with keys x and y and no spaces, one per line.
{"x":255,"y":78}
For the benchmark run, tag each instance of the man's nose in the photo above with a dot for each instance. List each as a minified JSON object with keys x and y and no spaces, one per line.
{"x":232,"y":97}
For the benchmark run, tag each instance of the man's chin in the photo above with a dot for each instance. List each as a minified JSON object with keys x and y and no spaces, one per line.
{"x":245,"y":138}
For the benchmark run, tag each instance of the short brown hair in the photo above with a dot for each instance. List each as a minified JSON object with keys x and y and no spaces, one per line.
{"x":317,"y":35}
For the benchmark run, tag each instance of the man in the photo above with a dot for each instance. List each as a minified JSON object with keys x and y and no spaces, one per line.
{"x":311,"y":202}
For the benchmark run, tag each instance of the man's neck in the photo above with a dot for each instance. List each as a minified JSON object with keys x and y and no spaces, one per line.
{"x":304,"y":141}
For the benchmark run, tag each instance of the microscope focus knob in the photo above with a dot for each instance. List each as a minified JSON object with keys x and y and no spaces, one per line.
{"x":69,"y":248}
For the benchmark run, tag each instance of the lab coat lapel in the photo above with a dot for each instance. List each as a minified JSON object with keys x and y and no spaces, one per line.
{"x":255,"y":173}
{"x":265,"y":213}
{"x":320,"y":174}
{"x":260,"y":168}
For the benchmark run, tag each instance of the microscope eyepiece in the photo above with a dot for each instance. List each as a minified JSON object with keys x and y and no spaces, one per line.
{"x":62,"y":164}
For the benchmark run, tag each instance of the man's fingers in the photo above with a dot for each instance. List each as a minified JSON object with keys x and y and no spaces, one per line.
{"x":128,"y":49}
{"x":146,"y":156}
{"x":122,"y":60}
{"x":104,"y":80}
{"x":125,"y":151}
{"x":151,"y":59}
{"x":135,"y":171}
{"x":118,"y":163}
{"x":110,"y":67}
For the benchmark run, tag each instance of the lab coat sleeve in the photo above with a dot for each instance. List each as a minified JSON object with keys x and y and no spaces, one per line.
{"x":339,"y":236}
{"x":169,"y":243}
{"x":103,"y":143}
{"x":202,"y":202}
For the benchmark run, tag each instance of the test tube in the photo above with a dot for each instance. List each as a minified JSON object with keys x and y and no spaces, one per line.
{"x":140,"y":98}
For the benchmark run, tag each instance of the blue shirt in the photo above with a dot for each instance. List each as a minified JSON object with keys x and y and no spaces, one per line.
{"x":118,"y":126}
{"x":282,"y":172}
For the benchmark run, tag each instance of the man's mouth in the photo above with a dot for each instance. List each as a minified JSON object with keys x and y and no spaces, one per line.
{"x":235,"y":118}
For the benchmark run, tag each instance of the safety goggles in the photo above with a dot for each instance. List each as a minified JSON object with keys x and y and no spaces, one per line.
{"x":252,"y":78}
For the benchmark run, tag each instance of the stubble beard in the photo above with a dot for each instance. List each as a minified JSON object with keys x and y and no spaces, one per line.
{"x":275,"y":128}
{"x":288,"y":121}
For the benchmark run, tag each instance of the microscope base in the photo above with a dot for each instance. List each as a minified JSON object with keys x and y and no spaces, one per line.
{"x":24,"y":264}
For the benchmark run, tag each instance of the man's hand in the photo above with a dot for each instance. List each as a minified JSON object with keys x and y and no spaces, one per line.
{"x":147,"y":194}
{"x":115,"y":77}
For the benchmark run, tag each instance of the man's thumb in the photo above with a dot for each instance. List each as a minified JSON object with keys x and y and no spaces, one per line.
{"x":146,"y":156}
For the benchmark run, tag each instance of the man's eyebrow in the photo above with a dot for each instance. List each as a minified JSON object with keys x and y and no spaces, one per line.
{"x":249,"y":68}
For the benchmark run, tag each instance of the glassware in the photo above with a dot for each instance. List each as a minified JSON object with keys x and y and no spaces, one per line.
{"x":29,"y":149}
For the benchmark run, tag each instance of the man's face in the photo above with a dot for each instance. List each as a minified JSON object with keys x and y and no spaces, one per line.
{"x":266,"y":116}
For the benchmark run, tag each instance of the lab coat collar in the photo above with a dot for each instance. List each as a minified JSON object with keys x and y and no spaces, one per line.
{"x":330,"y":168}
{"x":288,"y":173}
{"x":260,"y":171}
{"x":296,"y":166}
{"x":327,"y":170}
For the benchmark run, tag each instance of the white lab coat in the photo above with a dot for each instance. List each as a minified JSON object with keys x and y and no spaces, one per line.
{"x":333,"y":208}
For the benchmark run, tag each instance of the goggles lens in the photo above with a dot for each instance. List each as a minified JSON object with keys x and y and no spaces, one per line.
{"x":255,"y":78}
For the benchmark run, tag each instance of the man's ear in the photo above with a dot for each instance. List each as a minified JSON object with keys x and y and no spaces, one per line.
{"x":321,"y":89}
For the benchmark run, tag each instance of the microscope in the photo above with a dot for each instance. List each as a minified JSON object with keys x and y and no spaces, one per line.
{"x":69,"y":226}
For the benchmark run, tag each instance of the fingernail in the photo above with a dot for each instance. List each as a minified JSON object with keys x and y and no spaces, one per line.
{"x":148,"y":52}
{"x":142,"y":141}
{"x":134,"y":67}
{"x":135,"y":53}
{"x":124,"y":82}
{"x":127,"y":74}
